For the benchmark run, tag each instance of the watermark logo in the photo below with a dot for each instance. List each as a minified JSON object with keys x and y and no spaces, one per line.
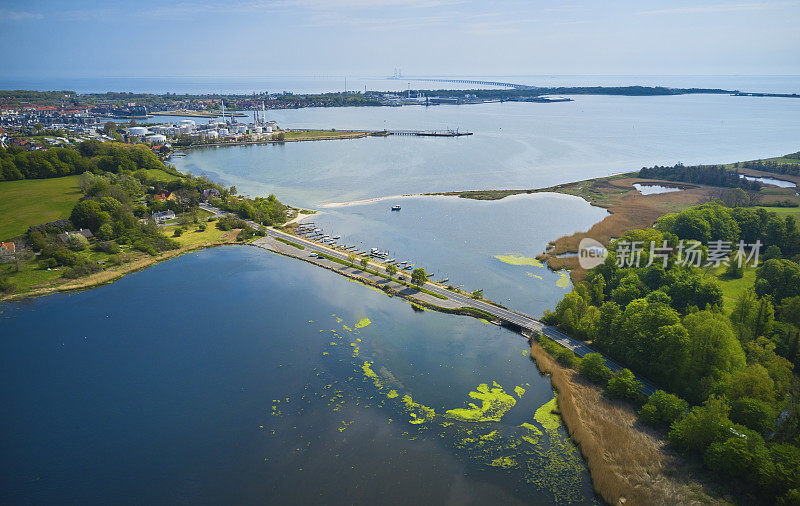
{"x":591,"y":253}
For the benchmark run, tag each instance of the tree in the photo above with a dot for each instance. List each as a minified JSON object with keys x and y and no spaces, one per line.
{"x":478,"y":294}
{"x":624,"y":385}
{"x":364,"y":262}
{"x":352,"y":258}
{"x":391,"y":269}
{"x":662,"y":408}
{"x":418,"y":276}
{"x":594,"y":368}
{"x":109,"y":128}
{"x":88,"y":214}
{"x":754,"y":414}
{"x":702,"y":426}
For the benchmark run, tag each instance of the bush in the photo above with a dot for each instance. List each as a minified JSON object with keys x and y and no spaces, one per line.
{"x":201,"y":227}
{"x":624,"y":385}
{"x":178,"y":232}
{"x":662,"y":408}
{"x":702,"y":426}
{"x":109,"y":247}
{"x":47,"y":263}
{"x":77,"y":242}
{"x":230,"y":222}
{"x":6,"y":286}
{"x":594,"y":368}
{"x":82,"y":269}
{"x":145,"y":247}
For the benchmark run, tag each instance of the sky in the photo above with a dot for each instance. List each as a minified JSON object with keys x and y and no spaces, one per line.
{"x":54,"y":38}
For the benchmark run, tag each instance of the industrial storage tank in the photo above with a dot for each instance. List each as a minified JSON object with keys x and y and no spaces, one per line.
{"x":242,"y":129}
{"x":258,"y":129}
{"x":268,"y":130}
{"x":138,"y":131}
{"x":212,"y":134}
{"x":157,"y":139}
{"x":189,"y":122}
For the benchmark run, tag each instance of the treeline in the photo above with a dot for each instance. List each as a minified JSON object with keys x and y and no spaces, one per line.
{"x":27,"y":97}
{"x":712,"y":175}
{"x":667,"y":324}
{"x":792,"y":169}
{"x":90,"y":156}
{"x":266,"y":211}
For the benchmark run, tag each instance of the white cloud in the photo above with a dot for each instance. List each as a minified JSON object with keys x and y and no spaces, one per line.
{"x":6,"y":15}
{"x":703,"y":9}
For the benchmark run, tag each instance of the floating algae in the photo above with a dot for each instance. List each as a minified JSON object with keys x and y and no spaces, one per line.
{"x":533,"y":275}
{"x":495,"y":402}
{"x":392,"y":394}
{"x":519,"y":260}
{"x":419,"y":412}
{"x":363,"y":323}
{"x":519,"y":391}
{"x":347,"y":328}
{"x":504,"y":462}
{"x":545,"y":416}
{"x":563,"y":281}
{"x":369,"y":373}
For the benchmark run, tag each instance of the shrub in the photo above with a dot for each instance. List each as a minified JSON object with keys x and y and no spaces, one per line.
{"x":48,"y":263}
{"x":109,"y":247}
{"x":624,"y":385}
{"x":594,"y":368}
{"x":702,"y":426}
{"x":77,"y":242}
{"x":82,"y":269}
{"x":145,"y":247}
{"x":6,"y":286}
{"x":201,"y":227}
{"x":662,"y":408}
{"x":178,"y":232}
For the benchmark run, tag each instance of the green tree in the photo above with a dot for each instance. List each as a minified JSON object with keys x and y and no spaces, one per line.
{"x":702,"y":426}
{"x":77,"y":242}
{"x":478,"y":294}
{"x":662,"y":408}
{"x":352,"y":258}
{"x":418,"y":276}
{"x":364,"y":262}
{"x":594,"y":368}
{"x":754,"y":414}
{"x":624,"y":385}
{"x":88,"y":214}
{"x":391,"y":269}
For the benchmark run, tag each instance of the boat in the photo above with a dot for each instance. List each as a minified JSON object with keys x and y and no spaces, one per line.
{"x":337,"y":237}
{"x":395,"y":208}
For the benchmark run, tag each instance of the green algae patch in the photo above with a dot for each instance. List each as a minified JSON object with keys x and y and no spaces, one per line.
{"x":392,"y":394}
{"x":519,"y":391}
{"x":495,"y":402}
{"x":545,"y":416}
{"x":369,"y":373}
{"x":347,"y":328}
{"x":487,"y":322}
{"x":492,"y":436}
{"x":419,"y":412}
{"x":533,"y":275}
{"x":504,"y":463}
{"x":563,"y":281}
{"x":363,"y":323}
{"x":519,"y":260}
{"x":531,"y":427}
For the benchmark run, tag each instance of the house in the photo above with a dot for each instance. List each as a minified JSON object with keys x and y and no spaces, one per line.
{"x":7,"y":249}
{"x":84,"y":232}
{"x":163,"y":216}
{"x":208,"y":194}
{"x":165,"y":195}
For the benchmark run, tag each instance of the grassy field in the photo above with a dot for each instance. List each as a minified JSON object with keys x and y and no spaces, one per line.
{"x":160,"y":175}
{"x":783,"y":211}
{"x":34,"y":201}
{"x":733,"y":288}
{"x":192,"y":237}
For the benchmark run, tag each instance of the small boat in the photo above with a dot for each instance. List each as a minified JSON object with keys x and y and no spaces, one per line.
{"x":395,"y":208}
{"x":337,"y":237}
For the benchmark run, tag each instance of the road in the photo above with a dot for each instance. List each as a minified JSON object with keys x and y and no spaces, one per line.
{"x":522,"y":320}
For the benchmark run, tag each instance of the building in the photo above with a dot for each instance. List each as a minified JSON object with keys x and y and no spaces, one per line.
{"x":163,"y":216}
{"x":7,"y":249}
{"x":157,"y":139}
{"x":84,"y":232}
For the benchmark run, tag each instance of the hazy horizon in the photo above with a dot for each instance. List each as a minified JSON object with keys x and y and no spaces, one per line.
{"x":422,"y":37}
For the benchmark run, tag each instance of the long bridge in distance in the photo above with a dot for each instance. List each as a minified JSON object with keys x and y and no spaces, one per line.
{"x":465,"y":81}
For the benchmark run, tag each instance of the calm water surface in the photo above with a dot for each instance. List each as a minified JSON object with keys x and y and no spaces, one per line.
{"x":516,"y":145}
{"x":237,"y":376}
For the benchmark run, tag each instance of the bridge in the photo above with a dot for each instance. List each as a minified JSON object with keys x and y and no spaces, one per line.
{"x":526,"y":323}
{"x":466,"y":81}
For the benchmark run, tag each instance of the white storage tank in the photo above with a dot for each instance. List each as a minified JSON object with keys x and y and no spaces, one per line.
{"x":223,"y":131}
{"x":138,"y":131}
{"x":258,"y":129}
{"x":189,"y":122}
{"x":268,"y":130}
{"x":212,"y":134}
{"x":242,"y":129}
{"x":157,"y":139}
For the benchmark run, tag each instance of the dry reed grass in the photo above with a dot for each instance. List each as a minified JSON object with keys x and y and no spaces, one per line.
{"x":628,"y":462}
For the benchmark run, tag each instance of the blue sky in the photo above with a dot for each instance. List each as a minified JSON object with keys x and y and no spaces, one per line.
{"x":371,"y":37}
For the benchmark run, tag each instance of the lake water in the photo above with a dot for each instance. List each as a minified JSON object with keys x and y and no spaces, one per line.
{"x":782,"y":183}
{"x":237,"y":376}
{"x":652,"y":189}
{"x":516,"y":145}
